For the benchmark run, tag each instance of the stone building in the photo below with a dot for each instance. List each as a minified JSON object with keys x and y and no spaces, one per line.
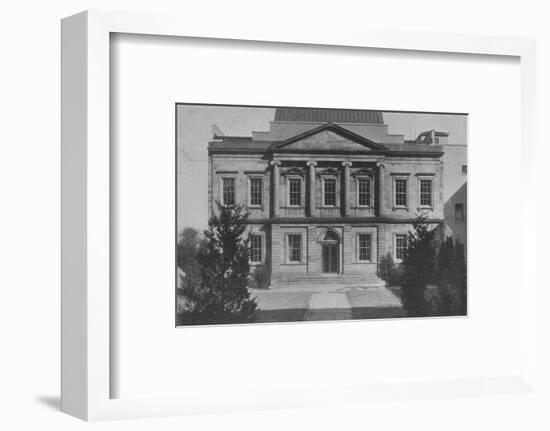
{"x":455,"y":193}
{"x":330,"y":192}
{"x":455,"y":176}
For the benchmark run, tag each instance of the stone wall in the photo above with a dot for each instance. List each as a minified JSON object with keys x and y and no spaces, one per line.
{"x":241,"y":168}
{"x":382,"y":243}
{"x":413,"y":170}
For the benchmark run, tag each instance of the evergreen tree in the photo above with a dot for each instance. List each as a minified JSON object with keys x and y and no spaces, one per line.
{"x":418,"y":268}
{"x":221,"y":296}
{"x":461,"y":280}
{"x":451,"y":278}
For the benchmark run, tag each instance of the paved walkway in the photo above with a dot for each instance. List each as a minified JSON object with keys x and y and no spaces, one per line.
{"x":340,"y":304}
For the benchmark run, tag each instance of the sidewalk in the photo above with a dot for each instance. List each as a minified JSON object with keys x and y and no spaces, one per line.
{"x":338,"y":304}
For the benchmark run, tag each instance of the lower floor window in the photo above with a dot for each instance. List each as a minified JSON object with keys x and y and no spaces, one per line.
{"x":256,"y":248}
{"x":400,"y":246}
{"x":364,"y":247}
{"x":294,"y":248}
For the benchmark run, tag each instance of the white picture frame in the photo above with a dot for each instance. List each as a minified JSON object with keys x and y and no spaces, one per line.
{"x":86,"y":341}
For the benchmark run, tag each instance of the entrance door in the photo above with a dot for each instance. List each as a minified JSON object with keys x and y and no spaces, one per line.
{"x":330,"y":258}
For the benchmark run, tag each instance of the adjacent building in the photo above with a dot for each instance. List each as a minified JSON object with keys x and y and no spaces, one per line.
{"x":330,"y":192}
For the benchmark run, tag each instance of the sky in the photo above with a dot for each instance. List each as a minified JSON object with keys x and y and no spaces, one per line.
{"x":194,"y":130}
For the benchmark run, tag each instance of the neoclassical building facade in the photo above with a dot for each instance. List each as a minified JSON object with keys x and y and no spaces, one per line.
{"x":329,"y":192}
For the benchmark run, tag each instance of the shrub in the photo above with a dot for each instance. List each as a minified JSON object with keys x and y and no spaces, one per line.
{"x":260,"y":277}
{"x":188,"y":247}
{"x":221,"y":294}
{"x":390,"y":272}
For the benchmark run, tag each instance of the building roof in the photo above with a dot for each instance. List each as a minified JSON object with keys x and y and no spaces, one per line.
{"x":316,"y":120}
{"x":246,"y":145}
{"x":415,"y":149}
{"x":321,"y":115}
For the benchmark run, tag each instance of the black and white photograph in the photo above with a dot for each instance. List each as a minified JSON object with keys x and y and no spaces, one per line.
{"x":289,"y":214}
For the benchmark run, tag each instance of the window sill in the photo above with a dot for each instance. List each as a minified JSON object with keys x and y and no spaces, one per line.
{"x":400,"y":208}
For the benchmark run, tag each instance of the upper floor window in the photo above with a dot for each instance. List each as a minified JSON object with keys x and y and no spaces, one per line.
{"x":255,"y":248}
{"x":329,"y":192}
{"x":364,"y":247}
{"x":294,"y":191}
{"x":294,"y":247}
{"x":459,"y":212}
{"x":363,"y":192}
{"x":400,"y":246}
{"x":228,"y":191}
{"x":400,"y":190}
{"x":256,"y":185}
{"x":426,"y":192}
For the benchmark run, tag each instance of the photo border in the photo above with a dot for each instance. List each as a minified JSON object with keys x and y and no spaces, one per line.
{"x":230,"y":105}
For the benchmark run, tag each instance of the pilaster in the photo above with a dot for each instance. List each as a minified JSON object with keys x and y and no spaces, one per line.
{"x":311,"y":194}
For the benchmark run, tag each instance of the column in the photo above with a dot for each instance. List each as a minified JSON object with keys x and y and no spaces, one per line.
{"x":311,"y":204}
{"x":275,"y":181}
{"x":379,"y":203}
{"x":346,"y":205}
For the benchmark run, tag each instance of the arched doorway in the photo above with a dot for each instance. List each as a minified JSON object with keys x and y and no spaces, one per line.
{"x":330,"y":253}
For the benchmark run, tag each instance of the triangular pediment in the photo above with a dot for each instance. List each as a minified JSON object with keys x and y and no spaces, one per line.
{"x":294,"y":171}
{"x":366,"y":172}
{"x":328,"y":137}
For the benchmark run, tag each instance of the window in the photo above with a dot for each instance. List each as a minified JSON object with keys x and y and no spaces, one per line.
{"x":464,"y":169}
{"x":294,"y":248}
{"x":459,"y":212}
{"x":228,"y":191}
{"x":256,"y":192}
{"x":295,"y":192}
{"x":400,"y":246}
{"x":363,"y":191}
{"x":425,"y":193}
{"x":329,"y":191}
{"x":400,"y":192}
{"x":364,"y":247}
{"x":256,"y":248}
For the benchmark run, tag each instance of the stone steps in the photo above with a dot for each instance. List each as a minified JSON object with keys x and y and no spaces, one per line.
{"x":326,"y":283}
{"x":330,"y":280}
